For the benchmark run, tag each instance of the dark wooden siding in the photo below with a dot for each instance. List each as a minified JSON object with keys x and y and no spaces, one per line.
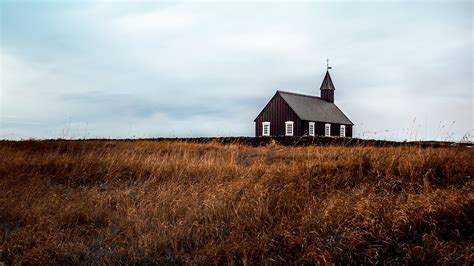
{"x":328,"y":95}
{"x":319,"y":129}
{"x":349,"y":131}
{"x":304,"y":127}
{"x":277,"y":112}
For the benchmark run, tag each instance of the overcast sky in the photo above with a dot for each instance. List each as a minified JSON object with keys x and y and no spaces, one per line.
{"x":140,"y":69}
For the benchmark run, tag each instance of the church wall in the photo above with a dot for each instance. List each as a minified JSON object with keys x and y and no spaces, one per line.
{"x":277,"y":112}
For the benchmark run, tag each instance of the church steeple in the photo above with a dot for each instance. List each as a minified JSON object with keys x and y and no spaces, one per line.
{"x":327,"y":88}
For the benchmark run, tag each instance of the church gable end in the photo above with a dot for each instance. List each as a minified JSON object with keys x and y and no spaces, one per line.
{"x":277,"y":112}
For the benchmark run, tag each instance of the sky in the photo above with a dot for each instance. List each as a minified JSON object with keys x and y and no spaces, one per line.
{"x":131,"y":69}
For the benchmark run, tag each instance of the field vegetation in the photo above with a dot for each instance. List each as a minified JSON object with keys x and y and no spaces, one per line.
{"x":170,"y":202}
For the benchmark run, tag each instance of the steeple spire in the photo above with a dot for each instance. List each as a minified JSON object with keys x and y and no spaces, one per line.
{"x":327,"y":88}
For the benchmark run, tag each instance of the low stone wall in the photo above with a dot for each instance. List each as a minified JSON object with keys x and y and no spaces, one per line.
{"x":263,"y":141}
{"x":308,"y":140}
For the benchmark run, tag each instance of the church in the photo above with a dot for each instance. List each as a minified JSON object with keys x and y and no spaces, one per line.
{"x":294,"y":114}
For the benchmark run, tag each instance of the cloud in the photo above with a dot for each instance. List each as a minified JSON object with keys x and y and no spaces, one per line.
{"x":166,"y":20}
{"x":191,"y":69}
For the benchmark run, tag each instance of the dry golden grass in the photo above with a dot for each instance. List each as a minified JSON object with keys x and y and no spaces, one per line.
{"x":169,"y":202}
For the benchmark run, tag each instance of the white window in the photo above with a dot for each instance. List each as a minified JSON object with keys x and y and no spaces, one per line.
{"x":327,"y":130}
{"x":311,"y":129}
{"x":266,"y":129}
{"x":343,"y":131}
{"x":289,"y":128}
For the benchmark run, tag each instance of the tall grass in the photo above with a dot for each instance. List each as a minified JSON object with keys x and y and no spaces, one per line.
{"x":169,"y":202}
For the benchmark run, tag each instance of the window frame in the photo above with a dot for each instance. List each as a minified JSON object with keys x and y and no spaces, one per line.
{"x":292,"y":124}
{"x":266,"y":123}
{"x":342,"y":130}
{"x":309,"y":128}
{"x":327,"y":130}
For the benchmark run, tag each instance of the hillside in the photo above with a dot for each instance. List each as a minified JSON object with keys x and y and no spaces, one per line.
{"x":173,"y":202}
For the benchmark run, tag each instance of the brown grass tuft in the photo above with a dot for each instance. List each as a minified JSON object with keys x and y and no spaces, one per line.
{"x":168,"y":202}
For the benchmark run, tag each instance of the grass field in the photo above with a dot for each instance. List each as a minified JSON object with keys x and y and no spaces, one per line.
{"x":169,"y":202}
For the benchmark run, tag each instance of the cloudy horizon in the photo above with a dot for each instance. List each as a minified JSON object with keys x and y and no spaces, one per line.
{"x":402,"y":70}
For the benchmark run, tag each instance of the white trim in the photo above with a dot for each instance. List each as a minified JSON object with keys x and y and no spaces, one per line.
{"x":327,"y":130}
{"x":343,"y":131}
{"x":311,"y":128}
{"x":265,"y":128}
{"x":289,"y":128}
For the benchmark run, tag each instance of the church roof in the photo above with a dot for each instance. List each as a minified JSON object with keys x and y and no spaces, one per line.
{"x":312,"y":108}
{"x":327,"y":83}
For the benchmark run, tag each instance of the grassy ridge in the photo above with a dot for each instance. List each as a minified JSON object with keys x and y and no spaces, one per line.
{"x":144,"y":201}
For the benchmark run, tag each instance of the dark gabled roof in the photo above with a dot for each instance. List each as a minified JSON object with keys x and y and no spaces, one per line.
{"x":312,"y":108}
{"x":327,"y":83}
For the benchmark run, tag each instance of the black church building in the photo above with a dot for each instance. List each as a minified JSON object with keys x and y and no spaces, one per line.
{"x":294,"y":114}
